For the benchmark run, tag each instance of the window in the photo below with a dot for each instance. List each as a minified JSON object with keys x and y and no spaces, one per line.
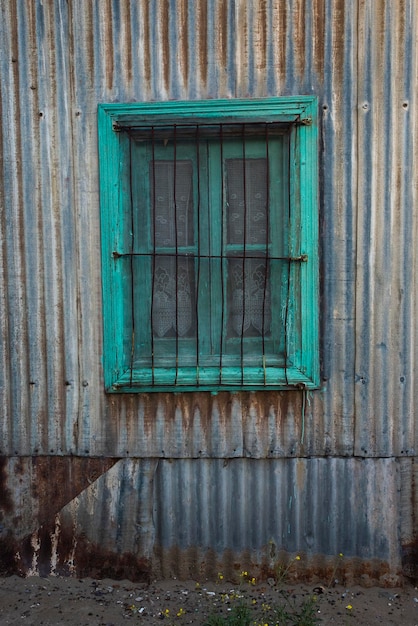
{"x":209,"y":244}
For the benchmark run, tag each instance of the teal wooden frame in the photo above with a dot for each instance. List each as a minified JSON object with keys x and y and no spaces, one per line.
{"x":299,"y":115}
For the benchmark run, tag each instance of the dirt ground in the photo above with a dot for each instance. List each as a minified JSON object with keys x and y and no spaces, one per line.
{"x":56,"y":601}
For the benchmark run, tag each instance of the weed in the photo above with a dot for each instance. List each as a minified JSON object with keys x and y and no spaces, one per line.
{"x":281,"y":570}
{"x":334,"y":579}
{"x":239,"y":616}
{"x":282,"y":615}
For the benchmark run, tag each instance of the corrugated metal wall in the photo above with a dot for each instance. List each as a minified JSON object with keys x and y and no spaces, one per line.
{"x":58,"y":60}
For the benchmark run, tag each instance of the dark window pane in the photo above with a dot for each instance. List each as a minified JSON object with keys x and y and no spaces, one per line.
{"x":173,"y":184}
{"x":249,"y":301}
{"x":246,"y":194}
{"x":173,"y":306}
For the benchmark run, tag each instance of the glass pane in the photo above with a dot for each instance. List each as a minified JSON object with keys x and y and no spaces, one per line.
{"x":249,"y":300}
{"x":173,"y":198}
{"x":173,"y":303}
{"x":246,"y":194}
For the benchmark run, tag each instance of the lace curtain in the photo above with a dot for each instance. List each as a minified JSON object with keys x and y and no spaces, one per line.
{"x":248,"y":282}
{"x":248,"y":278}
{"x":173,"y":290}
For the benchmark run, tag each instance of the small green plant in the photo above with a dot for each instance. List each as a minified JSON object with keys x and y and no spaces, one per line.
{"x":292,"y":615}
{"x":281,"y":570}
{"x":333,"y":579}
{"x":282,"y":615}
{"x":240,"y":615}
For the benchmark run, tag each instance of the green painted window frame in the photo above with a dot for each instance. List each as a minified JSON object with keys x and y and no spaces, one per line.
{"x":298,"y":117}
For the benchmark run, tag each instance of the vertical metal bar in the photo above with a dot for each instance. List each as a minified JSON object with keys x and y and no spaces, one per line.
{"x":153,"y":251}
{"x":131,"y":201}
{"x":199,"y":233}
{"x":267,"y":250}
{"x":289,"y":245}
{"x":223,"y":247}
{"x":244,"y":253}
{"x":177,"y":255}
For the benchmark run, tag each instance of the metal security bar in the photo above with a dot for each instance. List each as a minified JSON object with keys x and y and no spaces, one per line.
{"x":210,"y":239}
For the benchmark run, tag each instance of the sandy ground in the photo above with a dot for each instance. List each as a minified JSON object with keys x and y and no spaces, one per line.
{"x":57,"y":601}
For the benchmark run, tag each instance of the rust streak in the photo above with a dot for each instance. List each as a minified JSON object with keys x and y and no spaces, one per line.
{"x":318,"y":36}
{"x":58,"y":480}
{"x":203,"y":40}
{"x":223,"y":34}
{"x":127,"y":21}
{"x":183,"y":28}
{"x":299,"y":17}
{"x":280,"y":27}
{"x":108,"y":37}
{"x":338,"y":45}
{"x":165,"y":42}
{"x":6,"y":499}
{"x":146,"y":43}
{"x":262,"y":35}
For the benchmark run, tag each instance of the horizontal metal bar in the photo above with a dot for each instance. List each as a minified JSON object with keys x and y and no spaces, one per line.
{"x":303,"y":258}
{"x":202,"y":130}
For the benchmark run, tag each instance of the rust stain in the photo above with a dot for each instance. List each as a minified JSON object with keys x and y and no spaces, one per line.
{"x":299,"y":17}
{"x":409,"y":550}
{"x":242,"y":50}
{"x":128,"y":41}
{"x":56,"y":481}
{"x":280,"y":27}
{"x":77,"y":556}
{"x":6,"y":499}
{"x":9,"y":565}
{"x":183,"y":30}
{"x":165,"y":42}
{"x":189,"y":411}
{"x":318,"y":13}
{"x":201,"y":564}
{"x":338,"y":43}
{"x":261,"y":26}
{"x":410,"y":560}
{"x":73,"y":555}
{"x":108,"y":48}
{"x":89,"y":39}
{"x":146,"y":43}
{"x":222,"y":22}
{"x":202,"y":27}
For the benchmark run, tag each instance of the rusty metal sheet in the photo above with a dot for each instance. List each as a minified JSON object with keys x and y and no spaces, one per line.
{"x":194,"y":518}
{"x":57,"y":62}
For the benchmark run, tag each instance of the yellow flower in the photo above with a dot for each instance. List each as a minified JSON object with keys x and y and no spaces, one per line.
{"x":297,"y":558}
{"x":341,"y":554}
{"x":349,"y":607}
{"x":167,"y":611}
{"x":244,"y":574}
{"x":253,"y":581}
{"x":220,"y":576}
{"x":180,"y":612}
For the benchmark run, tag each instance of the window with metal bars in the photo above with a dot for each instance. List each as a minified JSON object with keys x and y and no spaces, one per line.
{"x":209,"y":244}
